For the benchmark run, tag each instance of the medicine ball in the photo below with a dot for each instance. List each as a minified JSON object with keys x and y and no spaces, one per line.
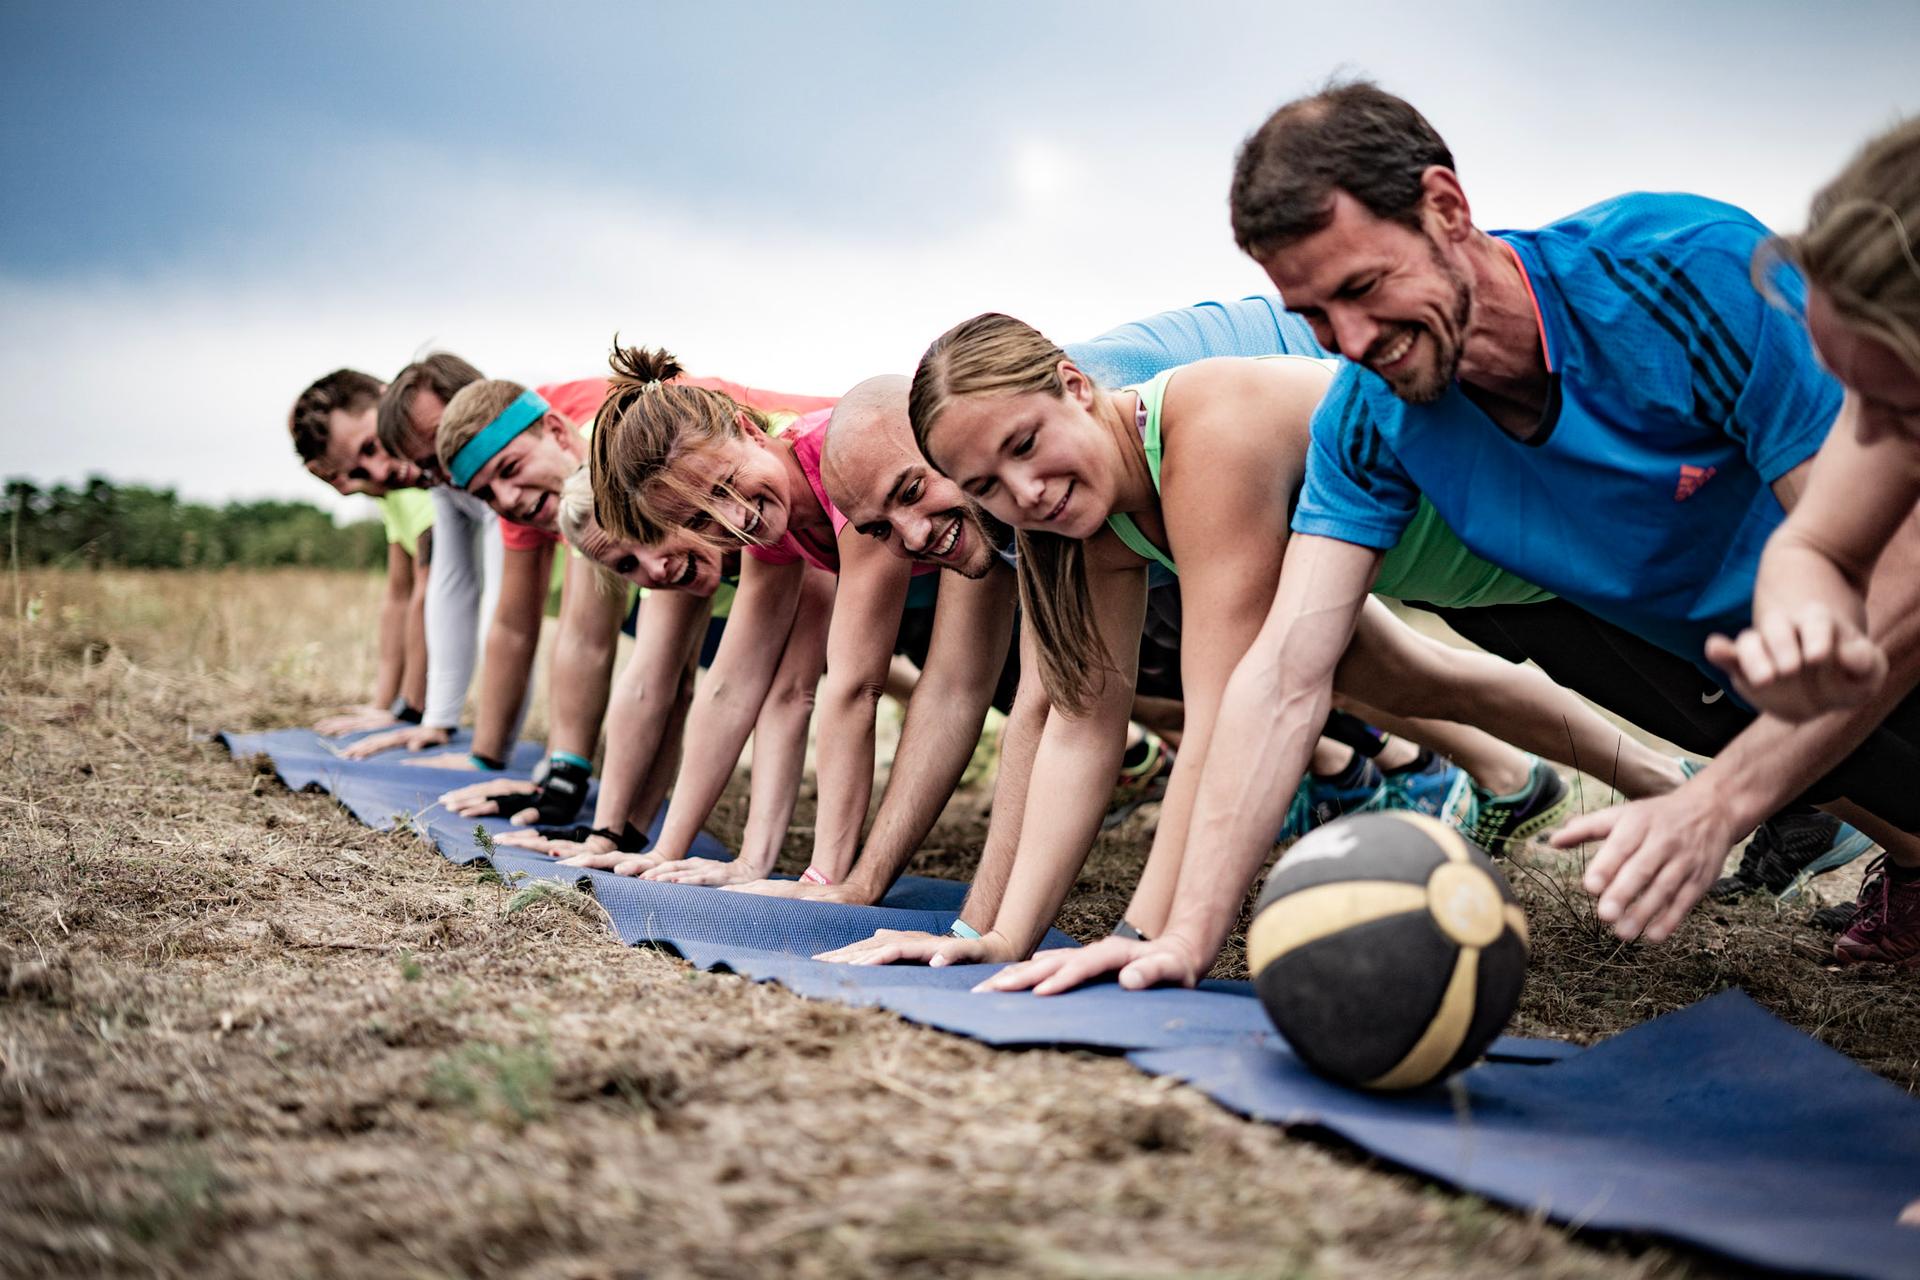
{"x":1387,"y":950}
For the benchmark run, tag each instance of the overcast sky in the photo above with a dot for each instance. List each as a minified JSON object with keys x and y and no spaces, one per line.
{"x":207,"y":205}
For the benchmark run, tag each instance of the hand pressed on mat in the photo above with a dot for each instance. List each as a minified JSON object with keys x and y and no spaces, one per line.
{"x":445,"y":760}
{"x":412,"y":737}
{"x":621,"y":864}
{"x":1657,"y":857}
{"x":555,"y":846}
{"x":483,"y":799}
{"x":1140,"y":964}
{"x":844,"y":894}
{"x":912,"y":946}
{"x":708,"y":871}
{"x":356,"y":719}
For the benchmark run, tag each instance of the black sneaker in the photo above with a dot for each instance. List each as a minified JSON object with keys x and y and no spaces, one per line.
{"x":1835,"y":919}
{"x":1501,"y":824}
{"x":1788,"y":850}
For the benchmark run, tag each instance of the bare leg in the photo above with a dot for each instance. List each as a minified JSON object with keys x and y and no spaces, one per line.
{"x":1425,"y":679}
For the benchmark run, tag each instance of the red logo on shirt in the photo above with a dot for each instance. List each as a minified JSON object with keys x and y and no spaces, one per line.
{"x":1691,"y":478}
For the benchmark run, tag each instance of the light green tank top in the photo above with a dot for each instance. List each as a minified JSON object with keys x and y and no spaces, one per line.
{"x":1429,"y":564}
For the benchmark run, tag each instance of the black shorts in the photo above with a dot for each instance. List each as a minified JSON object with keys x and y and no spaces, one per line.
{"x":1668,"y":696}
{"x":915,"y":639}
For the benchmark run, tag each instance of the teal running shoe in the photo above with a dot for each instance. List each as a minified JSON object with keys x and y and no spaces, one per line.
{"x":1318,"y":801}
{"x":1501,"y":824}
{"x":1422,"y":790}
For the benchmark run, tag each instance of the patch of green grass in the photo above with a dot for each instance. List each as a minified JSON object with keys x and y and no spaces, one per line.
{"x":510,"y":1085}
{"x":182,"y":1208}
{"x":411,"y":969}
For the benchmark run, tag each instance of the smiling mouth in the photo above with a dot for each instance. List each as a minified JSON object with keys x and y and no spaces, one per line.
{"x":943,"y":548}
{"x":1391,"y":356}
{"x":533,"y":512}
{"x":686,"y":576}
{"x":1061,"y":505}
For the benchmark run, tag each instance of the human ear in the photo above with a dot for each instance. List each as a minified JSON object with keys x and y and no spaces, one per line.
{"x":1444,"y":210}
{"x":1075,"y":385}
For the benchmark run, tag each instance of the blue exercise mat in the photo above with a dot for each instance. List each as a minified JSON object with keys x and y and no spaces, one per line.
{"x":1718,"y":1125}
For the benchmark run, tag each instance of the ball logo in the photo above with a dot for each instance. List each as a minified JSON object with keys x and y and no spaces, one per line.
{"x":1328,"y":842}
{"x":1465,"y":904}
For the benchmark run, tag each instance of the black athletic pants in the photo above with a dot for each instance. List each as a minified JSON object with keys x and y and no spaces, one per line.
{"x":1666,"y":695}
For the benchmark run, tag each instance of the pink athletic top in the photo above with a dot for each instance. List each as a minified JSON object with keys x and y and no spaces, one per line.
{"x":579,"y":401}
{"x":808,"y":437}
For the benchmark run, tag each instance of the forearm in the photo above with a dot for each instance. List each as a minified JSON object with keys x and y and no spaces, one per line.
{"x":1794,"y":573}
{"x":393,"y":647}
{"x":1077,"y":758}
{"x":1775,"y":760}
{"x":658,"y":778}
{"x":578,"y":689}
{"x":1243,"y":796}
{"x":452,"y":621}
{"x":504,"y":676}
{"x":717,"y":727}
{"x":413,"y":681}
{"x":845,"y":768}
{"x":936,"y":743}
{"x":638,"y":720}
{"x":779,"y":757}
{"x":1019,"y":744}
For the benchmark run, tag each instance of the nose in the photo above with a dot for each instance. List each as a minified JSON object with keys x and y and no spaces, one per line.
{"x":1353,"y":331}
{"x":657,"y":567}
{"x":1032,"y":491}
{"x":735,"y":515}
{"x":916,"y":532}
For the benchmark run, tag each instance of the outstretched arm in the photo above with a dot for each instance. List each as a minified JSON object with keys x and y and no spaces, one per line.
{"x":729,"y":699}
{"x":1272,"y":712}
{"x":779,"y":748}
{"x":872,"y":593}
{"x":1808,"y":650}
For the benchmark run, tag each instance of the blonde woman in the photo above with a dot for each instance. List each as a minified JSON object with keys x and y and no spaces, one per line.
{"x":1195,"y":472}
{"x":671,"y":461}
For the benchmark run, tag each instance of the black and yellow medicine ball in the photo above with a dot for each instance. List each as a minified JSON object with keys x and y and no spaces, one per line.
{"x":1387,"y":950}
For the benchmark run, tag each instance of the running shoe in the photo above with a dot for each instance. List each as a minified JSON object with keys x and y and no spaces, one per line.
{"x":1421,"y":790}
{"x":1501,"y":824}
{"x":1788,"y":850}
{"x":1837,"y":918}
{"x":1318,"y":801}
{"x":1887,"y":928}
{"x":1141,"y":782}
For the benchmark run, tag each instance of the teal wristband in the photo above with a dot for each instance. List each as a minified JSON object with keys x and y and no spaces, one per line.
{"x":961,"y":929}
{"x":567,"y":757}
{"x":487,"y":763}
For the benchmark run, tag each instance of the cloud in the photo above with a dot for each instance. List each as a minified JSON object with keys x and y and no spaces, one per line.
{"x":183,"y":377}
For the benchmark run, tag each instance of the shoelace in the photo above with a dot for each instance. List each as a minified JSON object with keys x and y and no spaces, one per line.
{"x":1875,"y":897}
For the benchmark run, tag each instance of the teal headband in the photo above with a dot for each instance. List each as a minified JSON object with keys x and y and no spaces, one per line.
{"x":492,"y":438}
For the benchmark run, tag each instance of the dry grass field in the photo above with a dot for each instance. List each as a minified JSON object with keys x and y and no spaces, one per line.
{"x":242,"y":1035}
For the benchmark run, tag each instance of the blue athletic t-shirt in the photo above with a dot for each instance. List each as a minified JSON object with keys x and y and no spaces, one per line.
{"x":1678,"y":394}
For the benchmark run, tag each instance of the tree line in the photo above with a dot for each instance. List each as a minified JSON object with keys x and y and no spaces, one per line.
{"x":104,"y":524}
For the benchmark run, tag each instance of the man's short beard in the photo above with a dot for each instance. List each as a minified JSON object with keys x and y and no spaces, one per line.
{"x":1447,"y":351}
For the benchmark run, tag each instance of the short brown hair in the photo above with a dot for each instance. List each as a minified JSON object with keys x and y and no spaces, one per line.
{"x":471,"y":409}
{"x":442,"y":373}
{"x":1352,"y":136}
{"x":345,"y":389}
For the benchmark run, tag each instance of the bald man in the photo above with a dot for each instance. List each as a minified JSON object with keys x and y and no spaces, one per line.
{"x":870,"y":464}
